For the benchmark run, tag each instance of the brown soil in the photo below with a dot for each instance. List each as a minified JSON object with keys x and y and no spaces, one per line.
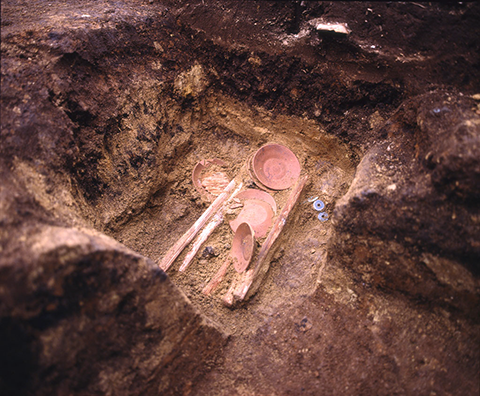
{"x":131,"y":96}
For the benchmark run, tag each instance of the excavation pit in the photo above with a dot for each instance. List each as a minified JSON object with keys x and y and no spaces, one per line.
{"x":327,"y":161}
{"x":106,"y":111}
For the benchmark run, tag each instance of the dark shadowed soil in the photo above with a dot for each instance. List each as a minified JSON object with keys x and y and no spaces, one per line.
{"x":106,"y":109}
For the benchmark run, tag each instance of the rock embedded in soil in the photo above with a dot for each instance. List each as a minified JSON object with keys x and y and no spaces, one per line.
{"x":408,"y":222}
{"x":81,"y":312}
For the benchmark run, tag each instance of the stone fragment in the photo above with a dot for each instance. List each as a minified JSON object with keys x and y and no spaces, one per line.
{"x":339,"y":28}
{"x":192,"y":82}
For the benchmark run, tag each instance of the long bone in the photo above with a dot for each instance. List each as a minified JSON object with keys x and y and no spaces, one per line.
{"x":186,"y":238}
{"x":207,"y":231}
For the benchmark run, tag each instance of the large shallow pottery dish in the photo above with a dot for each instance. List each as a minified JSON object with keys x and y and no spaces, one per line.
{"x":259,"y":195}
{"x":276,"y":166}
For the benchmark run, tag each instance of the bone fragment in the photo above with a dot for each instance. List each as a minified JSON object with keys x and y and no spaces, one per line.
{"x":215,"y":281}
{"x":228,"y":298}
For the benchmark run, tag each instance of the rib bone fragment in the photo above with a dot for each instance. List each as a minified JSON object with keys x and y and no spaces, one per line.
{"x":202,"y":237}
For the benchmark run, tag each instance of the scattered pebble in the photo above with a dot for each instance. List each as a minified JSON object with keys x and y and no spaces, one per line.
{"x":209,"y":252}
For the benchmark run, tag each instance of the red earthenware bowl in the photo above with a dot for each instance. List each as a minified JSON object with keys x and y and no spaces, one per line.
{"x":242,"y":247}
{"x":276,"y":166}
